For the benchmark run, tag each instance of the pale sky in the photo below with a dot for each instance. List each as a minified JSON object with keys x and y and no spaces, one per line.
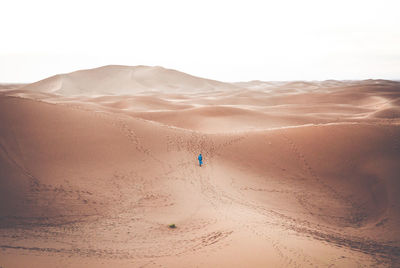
{"x":222,"y":40}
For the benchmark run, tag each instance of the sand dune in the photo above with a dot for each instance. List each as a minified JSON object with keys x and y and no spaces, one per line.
{"x":117,"y":80}
{"x":10,"y":86}
{"x":94,"y":166}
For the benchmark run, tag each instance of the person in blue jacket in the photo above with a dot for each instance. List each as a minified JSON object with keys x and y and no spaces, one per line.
{"x":200,"y":159}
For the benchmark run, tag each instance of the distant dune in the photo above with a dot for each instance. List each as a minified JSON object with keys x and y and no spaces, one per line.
{"x":96,"y":164}
{"x":117,"y":80}
{"x":10,"y":86}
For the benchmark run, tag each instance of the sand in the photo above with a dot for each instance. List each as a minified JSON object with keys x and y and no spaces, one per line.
{"x":96,"y":164}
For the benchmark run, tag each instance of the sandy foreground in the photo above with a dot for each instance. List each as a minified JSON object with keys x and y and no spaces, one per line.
{"x":96,"y":164}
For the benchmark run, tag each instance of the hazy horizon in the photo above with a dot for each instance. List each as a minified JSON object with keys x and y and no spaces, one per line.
{"x":225,"y":41}
{"x":245,"y":81}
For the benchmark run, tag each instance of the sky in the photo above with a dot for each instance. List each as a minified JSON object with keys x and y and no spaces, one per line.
{"x":222,"y":40}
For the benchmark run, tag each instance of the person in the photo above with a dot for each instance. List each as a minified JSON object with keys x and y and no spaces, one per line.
{"x":200,"y":159}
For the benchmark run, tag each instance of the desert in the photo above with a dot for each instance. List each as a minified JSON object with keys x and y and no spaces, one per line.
{"x":98,"y":165}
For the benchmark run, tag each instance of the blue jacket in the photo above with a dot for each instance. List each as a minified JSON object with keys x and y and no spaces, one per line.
{"x":200,"y":157}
